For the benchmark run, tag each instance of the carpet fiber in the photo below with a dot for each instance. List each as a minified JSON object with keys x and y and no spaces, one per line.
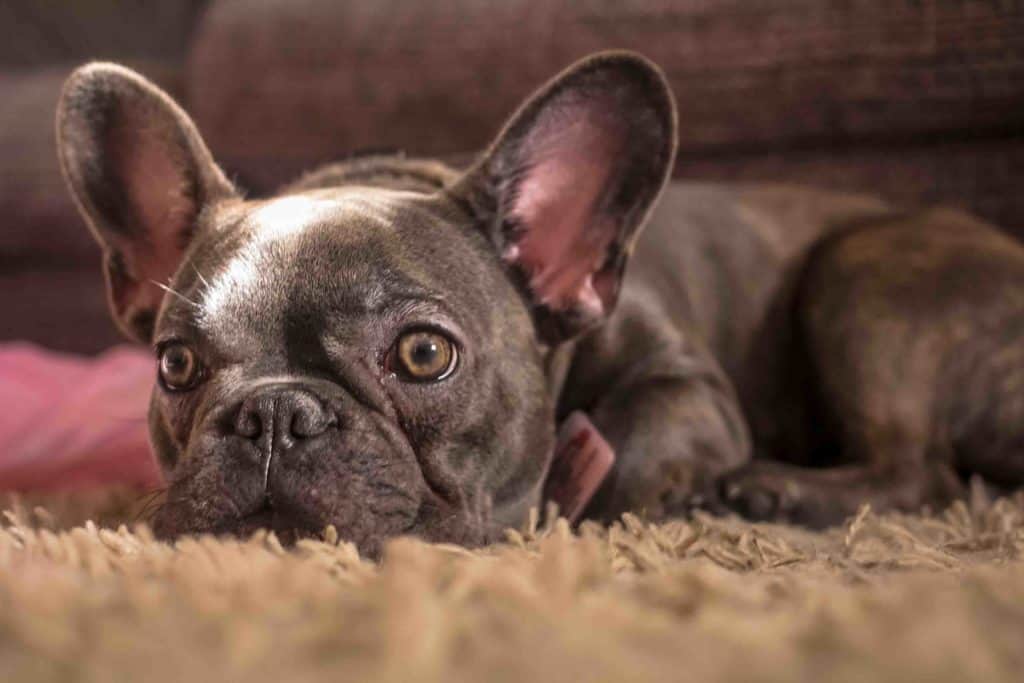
{"x":926,"y":597}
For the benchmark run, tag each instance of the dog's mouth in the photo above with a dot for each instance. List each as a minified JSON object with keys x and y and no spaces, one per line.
{"x":370,"y":535}
{"x":287,"y":526}
{"x":292,"y":525}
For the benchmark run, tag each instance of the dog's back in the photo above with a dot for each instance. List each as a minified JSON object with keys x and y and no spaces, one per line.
{"x":725,"y":262}
{"x":723,"y":253}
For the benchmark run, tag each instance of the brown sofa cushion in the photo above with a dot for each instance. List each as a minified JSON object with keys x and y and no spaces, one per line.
{"x":58,"y":308}
{"x":289,"y":83}
{"x":44,"y":225}
{"x":34,"y":33}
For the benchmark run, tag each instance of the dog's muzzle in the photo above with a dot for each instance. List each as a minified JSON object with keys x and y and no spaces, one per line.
{"x":278,"y":419}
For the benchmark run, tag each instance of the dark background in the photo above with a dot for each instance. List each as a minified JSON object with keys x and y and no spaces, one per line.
{"x":920,"y":101}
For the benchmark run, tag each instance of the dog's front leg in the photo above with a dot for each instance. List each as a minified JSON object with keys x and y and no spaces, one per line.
{"x":673,"y":434}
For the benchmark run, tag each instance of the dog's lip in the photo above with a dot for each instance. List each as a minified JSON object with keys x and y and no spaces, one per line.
{"x":263,"y":516}
{"x":288,"y":527}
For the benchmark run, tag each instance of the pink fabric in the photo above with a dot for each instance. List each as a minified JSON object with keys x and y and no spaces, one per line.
{"x":70,"y":422}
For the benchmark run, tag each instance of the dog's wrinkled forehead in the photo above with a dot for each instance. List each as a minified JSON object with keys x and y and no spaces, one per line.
{"x":289,"y":260}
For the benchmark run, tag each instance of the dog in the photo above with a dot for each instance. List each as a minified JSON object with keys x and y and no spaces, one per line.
{"x":389,"y":345}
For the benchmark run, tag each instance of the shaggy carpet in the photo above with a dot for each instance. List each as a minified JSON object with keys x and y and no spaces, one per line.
{"x":937,"y":597}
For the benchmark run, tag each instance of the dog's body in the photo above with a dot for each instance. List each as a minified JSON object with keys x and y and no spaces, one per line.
{"x":875,"y":355}
{"x":387,"y":345}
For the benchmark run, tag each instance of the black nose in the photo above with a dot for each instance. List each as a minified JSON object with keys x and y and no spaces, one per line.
{"x":286,"y":416}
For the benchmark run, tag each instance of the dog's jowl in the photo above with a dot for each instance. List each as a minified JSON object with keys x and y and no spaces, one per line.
{"x":389,"y":345}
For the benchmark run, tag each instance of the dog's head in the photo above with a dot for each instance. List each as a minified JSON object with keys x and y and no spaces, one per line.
{"x":363,"y":356}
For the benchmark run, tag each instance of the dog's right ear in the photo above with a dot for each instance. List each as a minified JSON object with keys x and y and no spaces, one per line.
{"x":140,"y":174}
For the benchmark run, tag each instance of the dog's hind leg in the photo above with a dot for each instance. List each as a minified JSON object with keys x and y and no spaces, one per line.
{"x":895,"y":477}
{"x":914,"y":334}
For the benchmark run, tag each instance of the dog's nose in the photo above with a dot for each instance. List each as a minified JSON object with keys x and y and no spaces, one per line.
{"x":289,"y":415}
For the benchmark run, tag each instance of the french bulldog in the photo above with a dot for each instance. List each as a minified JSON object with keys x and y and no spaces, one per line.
{"x":388,"y":345}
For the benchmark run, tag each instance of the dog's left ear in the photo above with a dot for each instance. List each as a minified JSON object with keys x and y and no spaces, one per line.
{"x":569,"y":182}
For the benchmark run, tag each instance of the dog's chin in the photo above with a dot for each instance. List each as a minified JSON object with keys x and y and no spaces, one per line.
{"x":288,"y":528}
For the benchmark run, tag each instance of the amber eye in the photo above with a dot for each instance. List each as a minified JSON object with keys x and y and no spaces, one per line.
{"x":179,"y":367}
{"x":425,"y":356}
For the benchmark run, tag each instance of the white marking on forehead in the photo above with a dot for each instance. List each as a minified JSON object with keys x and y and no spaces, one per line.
{"x":275,"y":223}
{"x":241,"y":275}
{"x":283,"y":217}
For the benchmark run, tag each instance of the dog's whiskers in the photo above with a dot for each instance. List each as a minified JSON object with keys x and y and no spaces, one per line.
{"x":181,"y":296}
{"x":206,"y":283}
{"x":150,"y":504}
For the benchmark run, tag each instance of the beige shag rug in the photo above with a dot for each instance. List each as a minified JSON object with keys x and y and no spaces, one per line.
{"x":898,"y":598}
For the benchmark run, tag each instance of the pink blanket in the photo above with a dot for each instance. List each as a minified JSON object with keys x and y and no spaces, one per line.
{"x":70,"y":422}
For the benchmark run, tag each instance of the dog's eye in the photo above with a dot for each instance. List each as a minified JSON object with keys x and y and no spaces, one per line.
{"x":179,"y":367}
{"x":425,"y":356}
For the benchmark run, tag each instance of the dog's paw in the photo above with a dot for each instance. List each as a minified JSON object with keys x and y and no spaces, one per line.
{"x":678,"y":489}
{"x":674,"y":502}
{"x":762,"y":494}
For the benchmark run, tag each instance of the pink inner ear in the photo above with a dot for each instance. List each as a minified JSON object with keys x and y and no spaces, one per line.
{"x":569,"y":156}
{"x":152,"y":173}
